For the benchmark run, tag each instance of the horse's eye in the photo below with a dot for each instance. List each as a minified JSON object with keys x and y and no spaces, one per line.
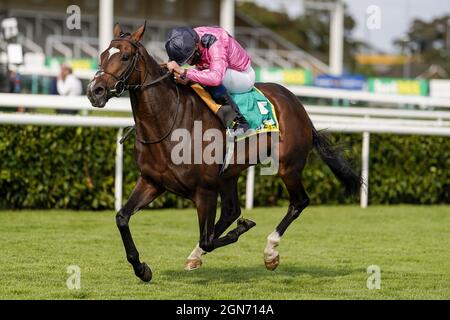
{"x":125,"y":57}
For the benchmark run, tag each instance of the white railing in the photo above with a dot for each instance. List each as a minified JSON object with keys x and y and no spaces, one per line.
{"x":335,"y":119}
{"x":422,"y":101}
{"x":48,"y":72}
{"x":42,"y":101}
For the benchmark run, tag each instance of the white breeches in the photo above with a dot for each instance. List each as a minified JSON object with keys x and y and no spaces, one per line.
{"x":239,"y":81}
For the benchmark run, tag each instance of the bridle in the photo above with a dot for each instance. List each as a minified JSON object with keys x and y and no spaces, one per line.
{"x":121,"y":86}
{"x":121,"y":82}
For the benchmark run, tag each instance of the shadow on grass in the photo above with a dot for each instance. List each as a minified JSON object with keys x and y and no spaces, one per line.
{"x":238,"y":274}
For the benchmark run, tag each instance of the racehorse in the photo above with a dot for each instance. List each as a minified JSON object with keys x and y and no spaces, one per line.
{"x":159,"y":106}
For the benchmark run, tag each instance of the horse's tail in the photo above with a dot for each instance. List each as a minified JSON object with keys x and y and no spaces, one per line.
{"x":333,"y":157}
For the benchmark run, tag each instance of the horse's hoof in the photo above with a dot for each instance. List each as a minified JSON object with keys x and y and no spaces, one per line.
{"x":271,"y":265}
{"x":246,"y":223}
{"x":147,"y":274}
{"x":192,"y":264}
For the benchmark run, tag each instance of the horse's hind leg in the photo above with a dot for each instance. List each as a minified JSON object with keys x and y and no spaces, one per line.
{"x":230,"y":211}
{"x":142,"y":195}
{"x":298,"y":201}
{"x":206,"y":202}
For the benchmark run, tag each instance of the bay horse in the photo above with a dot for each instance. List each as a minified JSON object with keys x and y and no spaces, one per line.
{"x":160,"y":105}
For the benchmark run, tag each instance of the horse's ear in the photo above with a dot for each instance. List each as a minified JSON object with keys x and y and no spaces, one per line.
{"x":139,"y":33}
{"x":117,"y":30}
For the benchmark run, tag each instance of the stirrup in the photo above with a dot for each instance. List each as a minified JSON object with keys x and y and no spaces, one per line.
{"x":238,"y":129}
{"x":229,"y":151}
{"x":239,"y":133}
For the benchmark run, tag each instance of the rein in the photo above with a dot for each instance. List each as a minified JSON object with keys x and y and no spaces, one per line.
{"x":120,"y":87}
{"x":168,"y":131}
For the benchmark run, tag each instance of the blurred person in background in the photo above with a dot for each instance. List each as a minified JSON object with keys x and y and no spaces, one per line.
{"x":10,"y":82}
{"x":15,"y":86}
{"x":4,"y":78}
{"x":14,"y":82}
{"x":68,"y":84}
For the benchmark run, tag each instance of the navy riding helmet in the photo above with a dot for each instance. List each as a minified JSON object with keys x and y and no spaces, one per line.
{"x":181,"y":43}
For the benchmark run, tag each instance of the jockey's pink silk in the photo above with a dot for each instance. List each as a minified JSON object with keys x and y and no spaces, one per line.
{"x":225,"y":53}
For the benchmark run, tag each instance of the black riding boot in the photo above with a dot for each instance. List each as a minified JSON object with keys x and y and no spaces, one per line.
{"x":230,"y":115}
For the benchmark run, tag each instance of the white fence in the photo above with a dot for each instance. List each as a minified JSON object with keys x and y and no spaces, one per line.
{"x":378,"y":98}
{"x":335,"y":119}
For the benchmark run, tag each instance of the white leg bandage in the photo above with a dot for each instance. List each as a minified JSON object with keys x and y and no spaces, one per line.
{"x":273,"y":240}
{"x":196,"y":254}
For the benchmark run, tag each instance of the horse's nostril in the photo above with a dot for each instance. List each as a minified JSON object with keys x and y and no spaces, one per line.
{"x":99,"y":91}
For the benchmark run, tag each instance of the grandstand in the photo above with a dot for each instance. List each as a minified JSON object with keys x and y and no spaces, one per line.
{"x":43,"y":32}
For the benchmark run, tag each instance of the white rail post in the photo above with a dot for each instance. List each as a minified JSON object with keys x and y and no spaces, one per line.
{"x":106,"y":16}
{"x":227,"y":15}
{"x":250,"y":188}
{"x":365,"y":170}
{"x":337,"y":38}
{"x":119,"y":172}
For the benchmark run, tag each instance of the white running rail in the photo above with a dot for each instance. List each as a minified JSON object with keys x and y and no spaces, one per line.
{"x":316,"y":92}
{"x":335,"y":119}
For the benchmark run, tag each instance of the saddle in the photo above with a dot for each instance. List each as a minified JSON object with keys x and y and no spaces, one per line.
{"x":253,"y":105}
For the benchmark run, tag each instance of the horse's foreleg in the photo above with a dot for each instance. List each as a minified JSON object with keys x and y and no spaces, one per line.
{"x":298,"y":201}
{"x":142,"y":195}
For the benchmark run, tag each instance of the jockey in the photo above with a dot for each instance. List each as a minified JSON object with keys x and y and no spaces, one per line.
{"x":222,"y":67}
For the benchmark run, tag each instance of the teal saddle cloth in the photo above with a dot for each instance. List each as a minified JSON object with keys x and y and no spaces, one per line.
{"x":257,"y":109}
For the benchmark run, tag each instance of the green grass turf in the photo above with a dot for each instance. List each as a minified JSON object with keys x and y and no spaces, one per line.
{"x":324,"y":255}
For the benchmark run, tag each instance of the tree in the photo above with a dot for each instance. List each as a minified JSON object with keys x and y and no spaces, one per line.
{"x":311,"y":31}
{"x":429,"y":40}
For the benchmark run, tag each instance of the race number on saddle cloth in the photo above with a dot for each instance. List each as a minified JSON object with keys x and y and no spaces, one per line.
{"x":254,"y":106}
{"x":258,"y":110}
